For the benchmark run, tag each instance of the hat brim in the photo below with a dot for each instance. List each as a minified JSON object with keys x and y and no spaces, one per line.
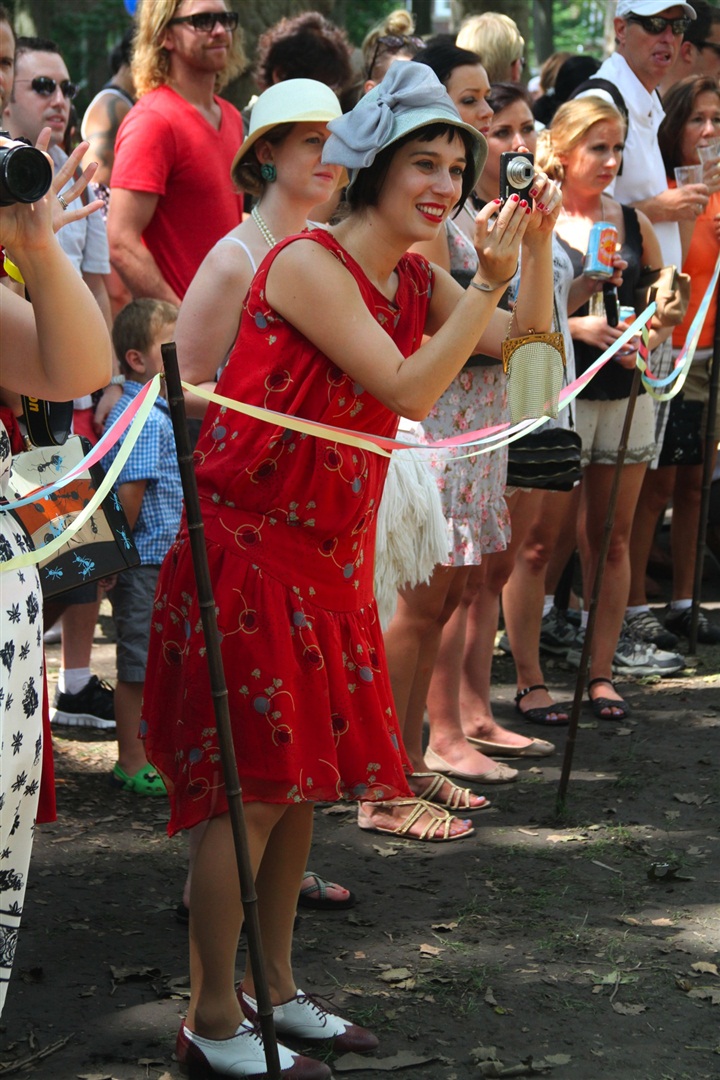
{"x":417,"y":119}
{"x":321,"y":116}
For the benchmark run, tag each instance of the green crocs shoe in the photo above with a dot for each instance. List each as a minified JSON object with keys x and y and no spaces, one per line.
{"x":146,"y":781}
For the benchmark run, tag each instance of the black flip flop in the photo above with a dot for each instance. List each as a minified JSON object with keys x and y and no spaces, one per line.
{"x":599,"y":703}
{"x":542,"y":714}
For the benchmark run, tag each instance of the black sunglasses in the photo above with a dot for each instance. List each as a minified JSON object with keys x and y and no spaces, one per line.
{"x":658,"y":24}
{"x":393,"y":43}
{"x":206,"y":21}
{"x":708,"y":45}
{"x":46,"y":87}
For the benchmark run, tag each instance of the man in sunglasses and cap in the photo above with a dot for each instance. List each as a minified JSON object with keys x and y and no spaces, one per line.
{"x":172,"y":197}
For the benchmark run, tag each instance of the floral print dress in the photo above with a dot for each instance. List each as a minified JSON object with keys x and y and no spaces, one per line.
{"x":21,"y":696}
{"x":290,"y":530}
{"x":471,"y":488}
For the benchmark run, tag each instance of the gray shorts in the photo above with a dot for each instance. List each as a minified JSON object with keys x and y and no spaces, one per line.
{"x":132,"y":603}
{"x":599,"y":424}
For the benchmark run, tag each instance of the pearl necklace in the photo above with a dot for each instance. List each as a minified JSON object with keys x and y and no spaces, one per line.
{"x":264,"y":231}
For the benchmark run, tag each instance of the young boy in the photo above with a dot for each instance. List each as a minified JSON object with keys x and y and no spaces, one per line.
{"x":150,"y":491}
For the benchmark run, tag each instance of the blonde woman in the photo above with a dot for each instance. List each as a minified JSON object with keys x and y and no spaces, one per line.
{"x":583,"y":149}
{"x":498,"y":43}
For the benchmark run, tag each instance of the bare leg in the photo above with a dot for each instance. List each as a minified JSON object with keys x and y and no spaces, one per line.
{"x":595,"y":492}
{"x":79,"y":622}
{"x":128,"y":704}
{"x":216,"y":910}
{"x":411,"y":643}
{"x":655,"y":493}
{"x":524,"y":592}
{"x":484,"y":608}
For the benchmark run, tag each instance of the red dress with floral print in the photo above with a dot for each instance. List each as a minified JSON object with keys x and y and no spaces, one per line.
{"x":290,"y":530}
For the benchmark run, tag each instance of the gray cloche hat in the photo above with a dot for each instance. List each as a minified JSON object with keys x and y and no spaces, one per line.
{"x":410,"y":97}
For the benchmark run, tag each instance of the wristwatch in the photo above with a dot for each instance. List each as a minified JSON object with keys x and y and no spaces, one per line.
{"x":117,"y":380}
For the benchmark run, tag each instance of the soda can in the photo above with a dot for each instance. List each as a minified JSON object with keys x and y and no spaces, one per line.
{"x":601,"y":248}
{"x":626,"y":313}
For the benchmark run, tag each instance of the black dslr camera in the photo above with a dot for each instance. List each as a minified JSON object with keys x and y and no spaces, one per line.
{"x":517,"y":175}
{"x":25,"y":173}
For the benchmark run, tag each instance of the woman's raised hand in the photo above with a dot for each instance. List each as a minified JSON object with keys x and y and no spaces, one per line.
{"x":547,"y":198}
{"x":498,"y":243}
{"x":65,"y":173}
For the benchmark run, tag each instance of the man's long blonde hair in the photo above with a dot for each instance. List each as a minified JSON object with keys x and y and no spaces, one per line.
{"x":151,"y":62}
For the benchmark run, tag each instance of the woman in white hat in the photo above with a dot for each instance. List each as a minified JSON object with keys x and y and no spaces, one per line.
{"x":332,"y":331}
{"x":280,"y":164}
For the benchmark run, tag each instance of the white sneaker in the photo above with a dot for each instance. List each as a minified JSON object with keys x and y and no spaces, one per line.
{"x":634,"y":657}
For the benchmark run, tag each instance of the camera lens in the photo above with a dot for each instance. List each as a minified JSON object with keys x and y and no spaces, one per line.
{"x":25,"y":175}
{"x":519,"y":172}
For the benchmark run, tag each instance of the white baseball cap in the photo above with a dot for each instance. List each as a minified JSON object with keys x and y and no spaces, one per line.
{"x":650,"y":7}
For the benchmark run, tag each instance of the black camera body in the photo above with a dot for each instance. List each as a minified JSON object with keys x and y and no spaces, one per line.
{"x":517,"y":175}
{"x":25,"y":173}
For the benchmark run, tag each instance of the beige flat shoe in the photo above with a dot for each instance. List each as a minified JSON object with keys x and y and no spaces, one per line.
{"x":536,"y":748}
{"x":501,"y":774}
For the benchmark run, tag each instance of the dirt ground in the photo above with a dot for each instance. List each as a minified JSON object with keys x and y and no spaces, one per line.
{"x":580,"y":946}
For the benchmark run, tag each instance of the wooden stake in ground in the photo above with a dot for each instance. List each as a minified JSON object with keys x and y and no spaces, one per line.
{"x":218,"y":688}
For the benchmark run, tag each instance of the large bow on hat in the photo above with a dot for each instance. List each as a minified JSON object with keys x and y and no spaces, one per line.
{"x":360,"y":135}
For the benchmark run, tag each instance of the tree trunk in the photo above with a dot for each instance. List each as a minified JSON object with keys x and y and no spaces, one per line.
{"x":543,"y":29}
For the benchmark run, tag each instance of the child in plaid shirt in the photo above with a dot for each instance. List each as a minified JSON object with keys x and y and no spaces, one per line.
{"x":150,"y":491}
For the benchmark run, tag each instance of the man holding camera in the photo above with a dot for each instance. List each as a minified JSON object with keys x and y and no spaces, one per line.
{"x":172,"y":197}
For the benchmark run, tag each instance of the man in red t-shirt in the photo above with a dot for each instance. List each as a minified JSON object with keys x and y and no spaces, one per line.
{"x":172,"y":197}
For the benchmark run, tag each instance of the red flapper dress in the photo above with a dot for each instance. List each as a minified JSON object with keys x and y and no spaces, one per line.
{"x":290,"y":532}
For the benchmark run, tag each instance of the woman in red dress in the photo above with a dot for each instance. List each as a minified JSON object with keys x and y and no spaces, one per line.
{"x":332,"y":331}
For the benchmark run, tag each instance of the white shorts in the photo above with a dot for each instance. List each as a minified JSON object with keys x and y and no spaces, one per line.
{"x":600,"y":423}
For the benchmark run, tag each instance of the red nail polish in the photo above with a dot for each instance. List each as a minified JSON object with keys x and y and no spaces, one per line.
{"x":540,"y":206}
{"x":523,"y":202}
{"x":515,"y":198}
{"x":533,"y":193}
{"x":497,"y":200}
{"x":529,"y":210}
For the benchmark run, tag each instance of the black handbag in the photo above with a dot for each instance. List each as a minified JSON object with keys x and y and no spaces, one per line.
{"x":682,"y":444}
{"x":102,"y":547}
{"x":548,"y":458}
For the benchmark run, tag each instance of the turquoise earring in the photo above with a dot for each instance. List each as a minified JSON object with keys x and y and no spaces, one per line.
{"x":268,"y":172}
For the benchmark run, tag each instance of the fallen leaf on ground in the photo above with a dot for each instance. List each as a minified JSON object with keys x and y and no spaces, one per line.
{"x":557,"y":1059}
{"x":430,"y":950}
{"x":392,"y":974}
{"x":444,"y":927}
{"x":690,"y":797}
{"x":662,"y":922}
{"x":126,"y":974}
{"x":564,"y":838}
{"x":385,"y":852}
{"x":708,"y":969}
{"x":628,"y":1010}
{"x":402,"y":1060}
{"x":706,"y":993}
